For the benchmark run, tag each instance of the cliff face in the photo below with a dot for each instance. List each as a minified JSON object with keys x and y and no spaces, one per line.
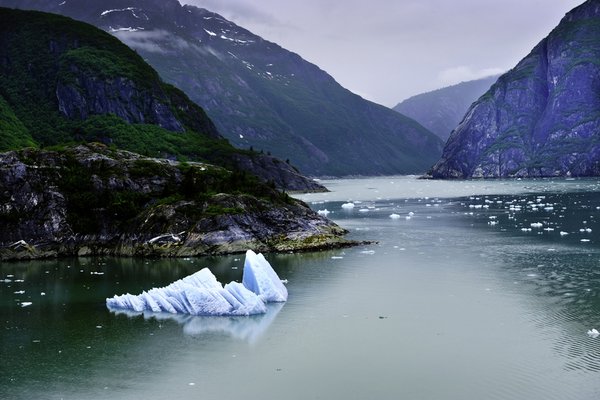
{"x":90,"y":200}
{"x":88,"y":95}
{"x":542,"y":118}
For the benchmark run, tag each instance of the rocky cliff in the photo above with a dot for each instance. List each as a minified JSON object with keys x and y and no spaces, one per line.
{"x":94,"y":200}
{"x":258,"y":94}
{"x":542,"y":118}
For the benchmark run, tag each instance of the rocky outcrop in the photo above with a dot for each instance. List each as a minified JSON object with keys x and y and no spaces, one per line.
{"x":542,"y":118}
{"x":92,"y":200}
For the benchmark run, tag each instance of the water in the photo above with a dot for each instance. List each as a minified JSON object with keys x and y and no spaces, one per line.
{"x":461,"y":298}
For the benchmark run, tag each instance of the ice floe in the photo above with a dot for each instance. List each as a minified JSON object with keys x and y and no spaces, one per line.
{"x":201,"y":293}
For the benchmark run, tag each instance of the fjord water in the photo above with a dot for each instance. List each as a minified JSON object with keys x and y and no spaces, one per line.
{"x":471,"y":292}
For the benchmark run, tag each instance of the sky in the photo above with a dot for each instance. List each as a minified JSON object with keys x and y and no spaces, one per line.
{"x":389,"y":50}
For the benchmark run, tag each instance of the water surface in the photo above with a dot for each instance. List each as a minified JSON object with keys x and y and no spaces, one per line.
{"x":462,"y":297}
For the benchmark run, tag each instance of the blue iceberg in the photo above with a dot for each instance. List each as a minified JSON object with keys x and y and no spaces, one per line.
{"x":202,"y":294}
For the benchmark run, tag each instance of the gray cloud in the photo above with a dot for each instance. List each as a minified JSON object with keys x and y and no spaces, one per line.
{"x":387,"y":50}
{"x":155,"y":41}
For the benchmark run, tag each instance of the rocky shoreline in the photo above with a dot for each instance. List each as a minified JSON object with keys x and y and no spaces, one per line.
{"x":92,"y":200}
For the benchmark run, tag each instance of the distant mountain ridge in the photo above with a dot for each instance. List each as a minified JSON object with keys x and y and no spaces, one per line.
{"x":441,"y":110}
{"x":258,"y":94}
{"x":542,"y":118}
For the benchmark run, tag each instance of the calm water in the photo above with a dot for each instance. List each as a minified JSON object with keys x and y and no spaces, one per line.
{"x":472,"y":292}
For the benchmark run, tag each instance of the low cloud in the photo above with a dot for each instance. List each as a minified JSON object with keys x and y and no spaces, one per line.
{"x":155,"y":41}
{"x":463,"y":73}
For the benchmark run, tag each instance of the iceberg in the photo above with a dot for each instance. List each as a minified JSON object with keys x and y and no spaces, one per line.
{"x":202,"y":294}
{"x":260,"y":278}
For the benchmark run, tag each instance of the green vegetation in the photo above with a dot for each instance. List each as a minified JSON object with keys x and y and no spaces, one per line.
{"x":13,"y":134}
{"x":154,"y":141}
{"x":103,"y":64}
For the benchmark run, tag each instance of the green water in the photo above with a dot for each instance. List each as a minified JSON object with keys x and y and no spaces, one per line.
{"x":458,"y":301}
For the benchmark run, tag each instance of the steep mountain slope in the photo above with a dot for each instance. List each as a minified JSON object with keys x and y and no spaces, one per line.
{"x":258,"y":94}
{"x":64,"y":81}
{"x":441,"y":110}
{"x":542,"y":118}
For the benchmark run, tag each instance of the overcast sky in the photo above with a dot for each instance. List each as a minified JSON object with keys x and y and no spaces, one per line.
{"x":388,"y":50}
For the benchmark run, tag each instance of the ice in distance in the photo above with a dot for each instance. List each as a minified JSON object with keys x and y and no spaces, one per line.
{"x":201,"y":293}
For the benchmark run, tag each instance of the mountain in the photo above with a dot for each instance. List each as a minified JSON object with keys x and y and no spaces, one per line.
{"x":258,"y":94}
{"x":542,"y":118}
{"x":441,"y":110}
{"x":64,"y":81}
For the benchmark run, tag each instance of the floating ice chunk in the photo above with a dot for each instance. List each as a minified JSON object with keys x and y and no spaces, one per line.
{"x":260,"y":278}
{"x":394,"y":216}
{"x":201,"y":293}
{"x":536,"y":224}
{"x":324,"y":212}
{"x":593,"y":333}
{"x":26,"y":303}
{"x":563,"y":233}
{"x":348,"y":206}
